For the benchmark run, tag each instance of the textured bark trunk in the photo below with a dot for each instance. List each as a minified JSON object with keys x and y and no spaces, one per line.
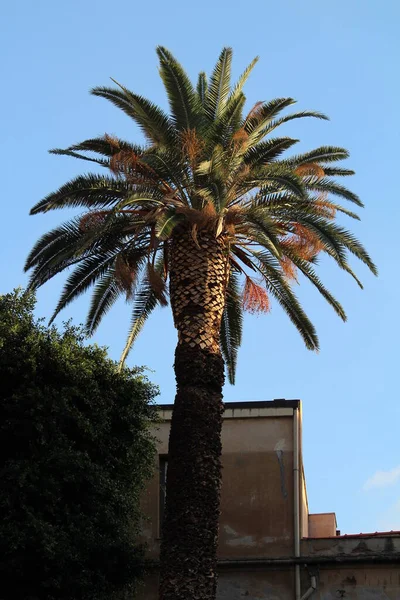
{"x":190,"y":532}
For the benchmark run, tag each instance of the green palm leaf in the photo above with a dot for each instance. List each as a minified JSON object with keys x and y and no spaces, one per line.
{"x":219,"y":86}
{"x":324,"y":154}
{"x":202,"y":87}
{"x":145,"y":301}
{"x":280,"y":289}
{"x":82,"y":278}
{"x":231,"y":326}
{"x":90,"y":191}
{"x":326,"y":185}
{"x":151,"y":119}
{"x":267,"y":151}
{"x":184,"y":104}
{"x":104,"y":296}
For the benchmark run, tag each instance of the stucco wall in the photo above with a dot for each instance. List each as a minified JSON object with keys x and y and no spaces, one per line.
{"x":257,"y":486}
{"x":351,"y":582}
{"x":257,"y":523}
{"x":322,"y":525}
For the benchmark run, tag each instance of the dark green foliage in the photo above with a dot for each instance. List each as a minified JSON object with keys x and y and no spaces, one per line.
{"x":76,"y":450}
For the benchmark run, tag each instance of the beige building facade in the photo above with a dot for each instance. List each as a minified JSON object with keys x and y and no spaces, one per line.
{"x":270,"y":547}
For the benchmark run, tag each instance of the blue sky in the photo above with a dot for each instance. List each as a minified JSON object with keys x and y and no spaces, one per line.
{"x":339,"y":57}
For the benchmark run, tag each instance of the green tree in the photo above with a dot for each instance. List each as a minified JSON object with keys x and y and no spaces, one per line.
{"x":210,"y":204}
{"x":76,"y":450}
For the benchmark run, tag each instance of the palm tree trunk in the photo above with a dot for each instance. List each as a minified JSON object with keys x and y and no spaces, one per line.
{"x":198,"y":277}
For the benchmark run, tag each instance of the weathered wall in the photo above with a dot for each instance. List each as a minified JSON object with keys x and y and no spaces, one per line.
{"x":355,"y":546}
{"x":373,"y":582}
{"x":257,"y":488}
{"x":247,"y":584}
{"x":256,"y":523}
{"x":351,"y":582}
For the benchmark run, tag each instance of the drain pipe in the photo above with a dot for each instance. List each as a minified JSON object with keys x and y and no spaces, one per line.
{"x":296,"y":504}
{"x":296,"y":499}
{"x":311,"y":589}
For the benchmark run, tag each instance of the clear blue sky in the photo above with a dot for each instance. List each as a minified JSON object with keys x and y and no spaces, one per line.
{"x":341,"y":58}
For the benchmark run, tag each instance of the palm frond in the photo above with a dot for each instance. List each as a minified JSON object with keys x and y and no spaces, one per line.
{"x":238,"y":87}
{"x":311,"y":275}
{"x":331,"y":187}
{"x":82,"y":278}
{"x":231,"y":326}
{"x":263,"y":113}
{"x":106,"y":146}
{"x":104,"y":296}
{"x":167,"y":223}
{"x":184,"y":103}
{"x":281,"y":178}
{"x":202,"y":87}
{"x":299,"y":115}
{"x":145,"y":301}
{"x":267,"y":151}
{"x":219,"y":86}
{"x":67,"y":152}
{"x":278,"y":287}
{"x":90,"y":191}
{"x":323,"y":154}
{"x":151,"y":119}
{"x":337,"y":172}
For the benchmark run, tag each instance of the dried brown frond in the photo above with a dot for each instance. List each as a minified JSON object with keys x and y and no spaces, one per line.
{"x":240,"y":137}
{"x":113,"y":141}
{"x":157,"y":284}
{"x":234,"y":215}
{"x":244,"y":257}
{"x":123,"y":161}
{"x":92,"y":219}
{"x":288,"y":268}
{"x":192,"y":146}
{"x":244,"y":172}
{"x":305,"y":243}
{"x":324,"y":207}
{"x":125,"y":273}
{"x":310,"y":169}
{"x":129,"y":164}
{"x":230,"y":230}
{"x":255,"y":297}
{"x":255,"y":113}
{"x":195,"y":217}
{"x":209,"y":210}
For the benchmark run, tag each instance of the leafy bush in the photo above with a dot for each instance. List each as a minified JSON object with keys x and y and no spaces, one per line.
{"x":76,"y":450}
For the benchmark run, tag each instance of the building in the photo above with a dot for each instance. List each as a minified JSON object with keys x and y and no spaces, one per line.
{"x":270,"y":547}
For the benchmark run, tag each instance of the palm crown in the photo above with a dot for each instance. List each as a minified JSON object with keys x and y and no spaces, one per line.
{"x":206,"y":166}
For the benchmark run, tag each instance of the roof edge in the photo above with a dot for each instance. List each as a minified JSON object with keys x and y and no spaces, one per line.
{"x":277,"y":403}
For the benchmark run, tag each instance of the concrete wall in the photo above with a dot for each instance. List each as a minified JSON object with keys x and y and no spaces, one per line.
{"x":353,"y":546}
{"x":256,"y":524}
{"x":303,"y":506}
{"x":322,"y":525}
{"x":252,"y":584}
{"x":351,"y":582}
{"x":372,"y":582}
{"x":257,"y":487}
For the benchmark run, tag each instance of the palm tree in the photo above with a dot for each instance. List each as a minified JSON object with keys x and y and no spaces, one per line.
{"x":210,"y":204}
